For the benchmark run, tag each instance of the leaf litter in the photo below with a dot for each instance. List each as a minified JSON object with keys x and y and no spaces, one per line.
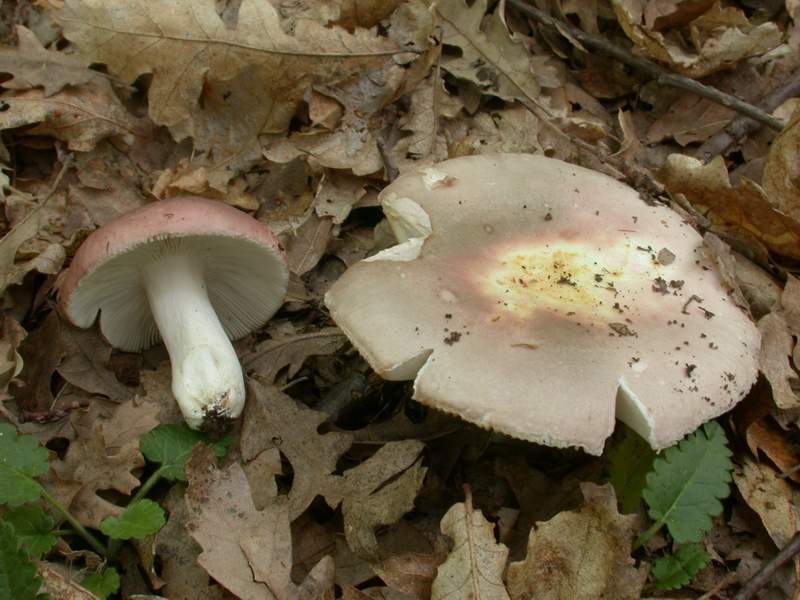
{"x":336,"y":483}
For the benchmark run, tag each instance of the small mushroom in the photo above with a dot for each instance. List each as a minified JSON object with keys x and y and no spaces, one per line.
{"x":193,"y":272}
{"x":523,"y":302}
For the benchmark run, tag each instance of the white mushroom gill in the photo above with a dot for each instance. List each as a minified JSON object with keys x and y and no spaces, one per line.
{"x":206,"y":376}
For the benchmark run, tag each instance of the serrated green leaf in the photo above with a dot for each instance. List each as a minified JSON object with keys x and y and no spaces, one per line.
{"x":18,"y":578}
{"x":171,"y":446}
{"x":102,"y":584}
{"x":32,"y":526}
{"x":140,"y":519}
{"x":687,"y":482}
{"x":21,"y":459}
{"x":676,"y":570}
{"x":629,"y":462}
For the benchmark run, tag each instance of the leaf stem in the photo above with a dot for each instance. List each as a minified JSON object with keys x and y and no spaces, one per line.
{"x":650,"y":532}
{"x":79,"y":528}
{"x":114,"y":544}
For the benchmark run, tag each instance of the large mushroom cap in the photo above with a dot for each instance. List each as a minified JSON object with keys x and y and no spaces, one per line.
{"x":245,"y":269}
{"x":541,"y":299}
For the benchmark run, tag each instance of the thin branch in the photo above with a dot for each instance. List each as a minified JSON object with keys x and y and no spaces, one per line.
{"x":764,"y":575}
{"x":660,"y":74}
{"x":742,"y":126}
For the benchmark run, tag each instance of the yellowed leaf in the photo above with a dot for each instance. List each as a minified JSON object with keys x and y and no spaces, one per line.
{"x":474,"y":568}
{"x":721,"y":38}
{"x":189,"y":46}
{"x":80,"y":116}
{"x":743,"y":209}
{"x":581,"y":555}
{"x":782,"y":169}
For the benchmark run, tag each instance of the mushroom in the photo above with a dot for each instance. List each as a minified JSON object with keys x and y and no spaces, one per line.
{"x":193,"y":272}
{"x":542,"y":300}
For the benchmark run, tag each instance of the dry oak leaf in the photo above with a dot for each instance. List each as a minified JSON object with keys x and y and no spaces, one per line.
{"x":379,"y":492}
{"x":581,"y":555}
{"x":185,"y":43}
{"x":491,"y":59}
{"x":80,"y":116}
{"x":772,"y":497}
{"x":274,"y":420}
{"x":781,"y":172}
{"x":11,"y":362}
{"x":248,"y":551}
{"x":743,"y":209}
{"x":722,"y":36}
{"x":474,"y":568}
{"x":766,"y":436}
{"x":774,"y":361}
{"x":183,"y":578}
{"x":33,"y":66}
{"x":270,"y":356}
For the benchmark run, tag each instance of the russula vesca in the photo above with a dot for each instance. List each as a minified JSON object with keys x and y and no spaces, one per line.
{"x":542,"y":300}
{"x":193,"y":272}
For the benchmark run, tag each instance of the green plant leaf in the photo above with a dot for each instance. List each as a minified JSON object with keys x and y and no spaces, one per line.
{"x":687,"y":482}
{"x":676,"y":570}
{"x":18,"y":578}
{"x":630,"y":459}
{"x":140,"y":519}
{"x":102,"y":584}
{"x":21,"y":459}
{"x":171,"y":446}
{"x":32,"y":527}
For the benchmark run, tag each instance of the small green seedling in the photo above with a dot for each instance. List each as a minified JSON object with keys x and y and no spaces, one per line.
{"x":27,"y":532}
{"x":683,"y":488}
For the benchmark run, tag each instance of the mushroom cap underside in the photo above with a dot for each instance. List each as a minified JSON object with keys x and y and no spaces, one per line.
{"x":244,"y":268}
{"x":547,"y":300}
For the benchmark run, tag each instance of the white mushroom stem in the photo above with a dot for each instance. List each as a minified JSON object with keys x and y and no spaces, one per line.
{"x":206,"y":375}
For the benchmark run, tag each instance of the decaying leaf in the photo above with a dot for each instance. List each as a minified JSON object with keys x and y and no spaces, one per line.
{"x":79,"y":116}
{"x":474,"y":568}
{"x":248,"y":551}
{"x":581,"y":554}
{"x":274,"y":420}
{"x":774,"y":359}
{"x":781,"y":171}
{"x":764,"y":435}
{"x":33,"y":66}
{"x":773,"y":498}
{"x":378,"y":492}
{"x":11,"y":362}
{"x":190,"y":44}
{"x":722,"y":36}
{"x":743,"y":209}
{"x":270,"y":356}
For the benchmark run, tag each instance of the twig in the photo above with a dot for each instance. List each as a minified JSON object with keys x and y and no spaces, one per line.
{"x":741,"y":127}
{"x":660,"y":74}
{"x":768,"y":569}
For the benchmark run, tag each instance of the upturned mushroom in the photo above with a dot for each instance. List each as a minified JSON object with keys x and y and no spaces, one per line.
{"x":544,"y":300}
{"x":192,"y":272}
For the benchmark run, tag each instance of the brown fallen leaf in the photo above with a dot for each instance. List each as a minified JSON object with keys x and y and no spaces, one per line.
{"x":582,"y":554}
{"x":474,"y":568}
{"x":774,"y":499}
{"x":80,"y":116}
{"x":781,"y":172}
{"x":60,"y":583}
{"x":248,"y":551}
{"x":308,"y":243}
{"x":190,"y":46}
{"x":31,"y":65}
{"x":11,"y":362}
{"x":722,"y":36}
{"x":274,"y":420}
{"x":270,"y":356}
{"x":764,"y":435}
{"x":337,"y":194}
{"x":743,"y":209}
{"x":378,"y":492}
{"x":183,"y":578}
{"x":774,"y":359}
{"x":85,"y":364}
{"x":41,"y":354}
